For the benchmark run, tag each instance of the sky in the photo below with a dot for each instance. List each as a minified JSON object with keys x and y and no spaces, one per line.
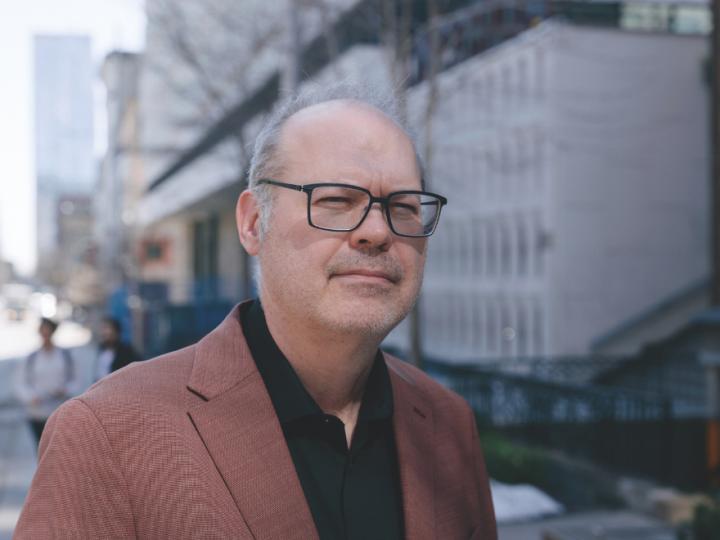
{"x":112,"y":25}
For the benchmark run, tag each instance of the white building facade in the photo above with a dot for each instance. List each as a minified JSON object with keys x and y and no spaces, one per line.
{"x":575,"y":160}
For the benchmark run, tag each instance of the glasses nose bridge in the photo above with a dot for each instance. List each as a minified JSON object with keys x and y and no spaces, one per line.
{"x":382,"y":201}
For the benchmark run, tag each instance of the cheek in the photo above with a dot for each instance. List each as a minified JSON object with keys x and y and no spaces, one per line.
{"x":299,"y":256}
{"x":413,"y":257}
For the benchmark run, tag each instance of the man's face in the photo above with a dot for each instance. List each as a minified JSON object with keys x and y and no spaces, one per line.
{"x":108,"y":334}
{"x":46,"y":331}
{"x":364,"y":280}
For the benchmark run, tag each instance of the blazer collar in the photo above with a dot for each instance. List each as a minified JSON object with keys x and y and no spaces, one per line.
{"x":240,"y":430}
{"x":239,"y":427}
{"x":222,"y":359}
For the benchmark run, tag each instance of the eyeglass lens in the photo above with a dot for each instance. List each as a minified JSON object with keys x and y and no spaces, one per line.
{"x":343,"y":208}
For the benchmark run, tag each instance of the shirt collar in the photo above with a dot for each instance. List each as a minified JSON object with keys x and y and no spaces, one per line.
{"x":287,"y":393}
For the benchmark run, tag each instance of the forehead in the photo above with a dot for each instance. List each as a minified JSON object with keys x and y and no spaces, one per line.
{"x":347,"y":140}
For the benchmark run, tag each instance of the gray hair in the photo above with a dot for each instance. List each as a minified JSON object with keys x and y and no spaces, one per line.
{"x":265,"y":162}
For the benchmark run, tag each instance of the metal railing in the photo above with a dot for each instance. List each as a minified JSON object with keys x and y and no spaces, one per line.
{"x":631,"y":432}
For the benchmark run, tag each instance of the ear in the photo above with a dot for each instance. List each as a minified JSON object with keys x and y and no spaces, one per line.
{"x":247,"y":217}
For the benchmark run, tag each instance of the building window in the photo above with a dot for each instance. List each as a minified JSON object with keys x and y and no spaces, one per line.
{"x":478,"y":307}
{"x":479,"y":243}
{"x":506,"y":85}
{"x":490,"y":93}
{"x":154,"y":251}
{"x":538,"y":158}
{"x":491,"y":250}
{"x":539,"y":73}
{"x":523,"y":250}
{"x":478,"y":94}
{"x":507,"y":330}
{"x":492,"y":324}
{"x":522,"y":77}
{"x":538,"y":329}
{"x":521,"y":339}
{"x":505,"y":248}
{"x":541,"y":241}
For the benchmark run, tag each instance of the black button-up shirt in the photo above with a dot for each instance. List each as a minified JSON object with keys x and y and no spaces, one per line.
{"x":353,"y":493}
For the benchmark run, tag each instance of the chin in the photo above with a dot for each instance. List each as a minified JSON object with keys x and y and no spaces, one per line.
{"x":371,"y":314}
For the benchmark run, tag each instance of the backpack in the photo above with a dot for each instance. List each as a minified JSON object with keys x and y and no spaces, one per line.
{"x":67,"y":360}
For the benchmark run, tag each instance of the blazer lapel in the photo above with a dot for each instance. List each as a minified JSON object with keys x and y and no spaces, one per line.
{"x":241,"y":432}
{"x":414,"y":436}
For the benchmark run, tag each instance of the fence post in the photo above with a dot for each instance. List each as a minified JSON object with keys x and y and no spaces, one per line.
{"x":711,"y":361}
{"x":667,"y":441}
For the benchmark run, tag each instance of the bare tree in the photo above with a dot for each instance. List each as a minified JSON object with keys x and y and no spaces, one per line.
{"x":214,"y":55}
{"x":398,"y":36}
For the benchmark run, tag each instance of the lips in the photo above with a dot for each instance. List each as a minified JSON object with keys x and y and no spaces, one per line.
{"x":367,"y":273}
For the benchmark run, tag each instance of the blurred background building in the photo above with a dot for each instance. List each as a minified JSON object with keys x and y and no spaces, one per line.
{"x":576,"y":158}
{"x":571,"y":138}
{"x":64,"y":162}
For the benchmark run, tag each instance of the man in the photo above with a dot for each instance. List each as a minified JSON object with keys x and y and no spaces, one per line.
{"x":113,"y":354}
{"x":286,"y":422}
{"x":46,"y":379}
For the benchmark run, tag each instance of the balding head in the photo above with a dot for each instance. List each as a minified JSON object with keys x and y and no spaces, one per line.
{"x":340,"y":131}
{"x":268,"y":160}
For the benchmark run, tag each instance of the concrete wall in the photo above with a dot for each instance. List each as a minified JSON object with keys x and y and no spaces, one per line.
{"x":485,"y":293}
{"x":575,"y":163}
{"x":629,"y":203}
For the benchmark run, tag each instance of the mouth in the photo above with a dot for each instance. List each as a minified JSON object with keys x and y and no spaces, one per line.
{"x":367,"y":276}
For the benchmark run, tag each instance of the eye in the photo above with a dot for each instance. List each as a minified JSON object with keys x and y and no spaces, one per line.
{"x":333,"y":201}
{"x":404,"y":209}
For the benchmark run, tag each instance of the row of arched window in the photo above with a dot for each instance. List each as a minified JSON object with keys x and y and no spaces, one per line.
{"x":491,"y":246}
{"x":509,"y":166}
{"x":501,"y":84}
{"x":478,"y":325}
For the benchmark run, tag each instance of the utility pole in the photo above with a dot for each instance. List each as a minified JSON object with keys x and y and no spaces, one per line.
{"x":292,"y":81}
{"x":715,"y":152}
{"x":711,"y":361}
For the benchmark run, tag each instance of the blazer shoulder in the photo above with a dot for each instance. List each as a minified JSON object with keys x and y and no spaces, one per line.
{"x":163,"y":378}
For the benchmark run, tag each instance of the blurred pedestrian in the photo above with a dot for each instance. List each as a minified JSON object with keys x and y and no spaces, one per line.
{"x":46,"y":379}
{"x":113,"y":353}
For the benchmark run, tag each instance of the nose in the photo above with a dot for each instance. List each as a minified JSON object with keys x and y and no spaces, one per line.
{"x":374,"y":232}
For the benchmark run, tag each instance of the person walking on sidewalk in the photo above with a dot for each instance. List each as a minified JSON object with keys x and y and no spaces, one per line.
{"x":113,"y":353}
{"x":45,"y":379}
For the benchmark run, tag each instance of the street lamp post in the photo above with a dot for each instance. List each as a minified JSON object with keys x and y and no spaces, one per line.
{"x":712,"y":365}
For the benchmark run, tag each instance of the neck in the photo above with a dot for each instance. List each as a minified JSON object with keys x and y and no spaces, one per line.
{"x":47,"y":346}
{"x":333,"y":367}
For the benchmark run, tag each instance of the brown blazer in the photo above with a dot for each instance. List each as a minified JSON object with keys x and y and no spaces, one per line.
{"x":188,"y":446}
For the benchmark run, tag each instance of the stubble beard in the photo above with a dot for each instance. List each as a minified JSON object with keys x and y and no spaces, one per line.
{"x":362,"y":309}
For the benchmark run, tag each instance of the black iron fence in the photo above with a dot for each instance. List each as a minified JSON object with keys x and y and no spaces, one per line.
{"x":632,"y":432}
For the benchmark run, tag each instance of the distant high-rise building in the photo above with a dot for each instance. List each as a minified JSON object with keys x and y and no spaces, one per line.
{"x":63,"y":131}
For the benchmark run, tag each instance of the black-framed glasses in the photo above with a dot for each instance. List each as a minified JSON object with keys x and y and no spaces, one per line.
{"x":343,"y":207}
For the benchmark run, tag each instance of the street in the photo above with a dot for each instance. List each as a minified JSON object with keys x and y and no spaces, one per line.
{"x":17,"y":466}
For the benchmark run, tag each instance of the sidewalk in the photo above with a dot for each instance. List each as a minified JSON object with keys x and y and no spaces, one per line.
{"x":17,"y":466}
{"x":17,"y":446}
{"x":596,"y":525}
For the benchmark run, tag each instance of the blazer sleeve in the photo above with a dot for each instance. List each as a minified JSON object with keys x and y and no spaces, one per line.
{"x":78,"y":490}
